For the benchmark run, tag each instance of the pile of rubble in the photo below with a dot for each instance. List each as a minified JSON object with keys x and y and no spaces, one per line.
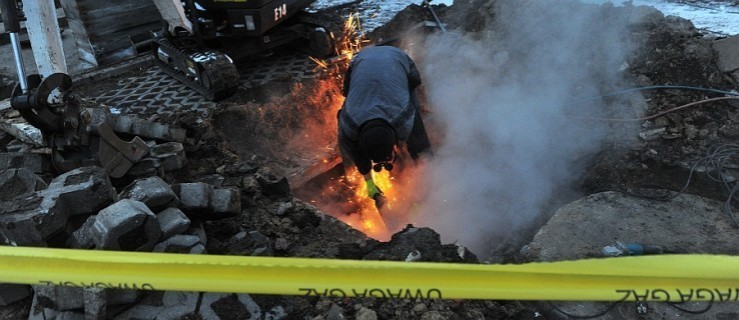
{"x":147,"y":215}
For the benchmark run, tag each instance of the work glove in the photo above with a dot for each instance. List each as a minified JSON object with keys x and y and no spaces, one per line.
{"x":375,"y":193}
{"x":372,"y":189}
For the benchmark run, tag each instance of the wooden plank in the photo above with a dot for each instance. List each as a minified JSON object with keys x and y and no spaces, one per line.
{"x":107,"y":25}
{"x":45,"y":36}
{"x":81,"y":39}
{"x":125,"y":15}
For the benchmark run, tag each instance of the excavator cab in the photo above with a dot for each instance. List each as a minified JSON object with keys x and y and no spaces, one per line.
{"x":202,"y":38}
{"x":246,"y":18}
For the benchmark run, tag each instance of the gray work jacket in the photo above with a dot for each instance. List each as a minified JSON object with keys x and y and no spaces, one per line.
{"x":379,"y":84}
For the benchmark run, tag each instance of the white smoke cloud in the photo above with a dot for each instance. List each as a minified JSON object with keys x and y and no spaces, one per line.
{"x":508,"y":105}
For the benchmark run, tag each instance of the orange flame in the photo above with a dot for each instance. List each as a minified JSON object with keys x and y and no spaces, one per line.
{"x":354,"y":207}
{"x":346,"y":45}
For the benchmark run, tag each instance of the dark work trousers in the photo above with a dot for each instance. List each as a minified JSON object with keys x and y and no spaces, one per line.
{"x":418,"y":140}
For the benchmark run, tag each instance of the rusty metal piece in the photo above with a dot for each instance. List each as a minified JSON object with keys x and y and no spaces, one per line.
{"x":116,"y":155}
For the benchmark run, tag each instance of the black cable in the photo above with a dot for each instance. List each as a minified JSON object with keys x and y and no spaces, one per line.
{"x":613,"y":305}
{"x":575,"y":316}
{"x":702,"y":311}
{"x":659,"y":87}
{"x":727,"y":204}
{"x":714,"y":163}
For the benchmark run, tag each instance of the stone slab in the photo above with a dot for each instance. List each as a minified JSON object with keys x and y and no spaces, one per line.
{"x":685,"y":224}
{"x":728,"y":53}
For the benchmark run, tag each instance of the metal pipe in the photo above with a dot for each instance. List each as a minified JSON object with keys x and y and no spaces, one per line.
{"x":433,"y":13}
{"x":18,"y":54}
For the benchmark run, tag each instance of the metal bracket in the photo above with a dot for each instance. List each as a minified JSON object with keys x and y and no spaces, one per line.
{"x":116,"y":155}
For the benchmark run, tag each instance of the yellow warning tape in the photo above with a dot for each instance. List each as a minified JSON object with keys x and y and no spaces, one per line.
{"x":654,"y":278}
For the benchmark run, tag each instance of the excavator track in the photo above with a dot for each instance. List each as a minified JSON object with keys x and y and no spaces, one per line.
{"x":209,"y":72}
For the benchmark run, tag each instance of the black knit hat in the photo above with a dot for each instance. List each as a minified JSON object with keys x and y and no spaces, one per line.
{"x":376,"y":140}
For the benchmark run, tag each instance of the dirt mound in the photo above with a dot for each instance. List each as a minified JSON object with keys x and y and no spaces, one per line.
{"x":670,"y":52}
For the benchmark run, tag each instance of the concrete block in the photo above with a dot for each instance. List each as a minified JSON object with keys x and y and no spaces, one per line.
{"x":180,"y":243}
{"x":728,"y":54}
{"x":60,"y":298}
{"x":35,"y":162}
{"x":34,"y":219}
{"x":226,"y":203}
{"x":145,"y":167}
{"x":152,"y":191}
{"x":30,"y":221}
{"x":172,"y":161}
{"x":147,"y":129}
{"x":171,"y":155}
{"x":117,"y":297}
{"x":40,"y":311}
{"x":199,"y":231}
{"x":82,"y":237}
{"x":23,"y":131}
{"x":211,"y":301}
{"x":198,"y":249}
{"x":172,"y":305}
{"x":121,"y":124}
{"x":17,"y":183}
{"x":156,"y":131}
{"x":95,"y":303}
{"x":152,"y":312}
{"x":172,"y":298}
{"x":172,"y":221}
{"x":216,"y":180}
{"x":11,"y":293}
{"x":126,"y":225}
{"x":194,"y":197}
{"x":84,"y":190}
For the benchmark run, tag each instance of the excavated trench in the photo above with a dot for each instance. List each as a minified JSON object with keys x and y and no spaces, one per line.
{"x":291,"y":126}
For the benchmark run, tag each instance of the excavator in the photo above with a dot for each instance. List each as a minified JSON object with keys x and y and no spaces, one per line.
{"x":201,"y":39}
{"x":83,"y":134}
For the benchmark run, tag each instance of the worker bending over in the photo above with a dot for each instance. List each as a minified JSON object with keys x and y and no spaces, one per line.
{"x":380,"y":111}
